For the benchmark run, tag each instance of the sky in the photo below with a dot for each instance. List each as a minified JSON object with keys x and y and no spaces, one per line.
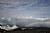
{"x":24,"y":8}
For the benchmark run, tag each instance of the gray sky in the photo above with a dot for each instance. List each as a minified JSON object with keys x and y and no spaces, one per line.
{"x":23,"y":8}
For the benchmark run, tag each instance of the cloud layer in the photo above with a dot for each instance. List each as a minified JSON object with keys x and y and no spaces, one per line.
{"x":22,"y":8}
{"x":26,"y":22}
{"x":20,"y":12}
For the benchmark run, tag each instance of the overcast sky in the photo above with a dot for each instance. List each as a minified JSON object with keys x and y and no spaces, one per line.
{"x":23,"y":8}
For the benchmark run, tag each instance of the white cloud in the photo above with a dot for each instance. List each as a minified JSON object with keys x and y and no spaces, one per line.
{"x":8,"y":27}
{"x":41,"y":18}
{"x":14,"y":26}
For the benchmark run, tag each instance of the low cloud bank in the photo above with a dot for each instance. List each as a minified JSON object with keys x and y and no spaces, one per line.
{"x":11,"y":23}
{"x":8,"y":27}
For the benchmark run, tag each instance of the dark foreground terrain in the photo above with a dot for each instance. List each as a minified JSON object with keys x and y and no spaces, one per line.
{"x":28,"y":30}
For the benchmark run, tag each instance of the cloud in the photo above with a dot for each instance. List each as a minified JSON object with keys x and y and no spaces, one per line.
{"x":6,"y":21}
{"x":38,"y":24}
{"x":16,"y":8}
{"x":24,"y":8}
{"x":26,"y":22}
{"x":8,"y":27}
{"x":42,"y":22}
{"x":12,"y":23}
{"x":34,"y":22}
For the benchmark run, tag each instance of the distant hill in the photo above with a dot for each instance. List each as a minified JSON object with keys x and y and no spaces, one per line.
{"x":27,"y":30}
